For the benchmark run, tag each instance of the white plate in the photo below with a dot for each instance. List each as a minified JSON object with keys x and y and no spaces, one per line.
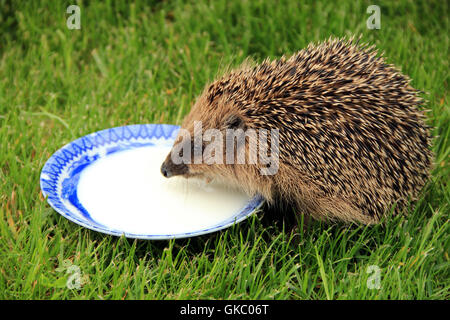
{"x":110,"y":181}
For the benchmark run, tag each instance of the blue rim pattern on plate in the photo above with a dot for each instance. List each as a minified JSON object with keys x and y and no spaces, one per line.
{"x":60,"y":175}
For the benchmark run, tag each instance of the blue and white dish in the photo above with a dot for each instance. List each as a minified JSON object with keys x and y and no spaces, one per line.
{"x":60,"y":178}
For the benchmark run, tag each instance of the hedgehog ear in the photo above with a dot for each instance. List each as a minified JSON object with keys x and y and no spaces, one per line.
{"x":234,"y":121}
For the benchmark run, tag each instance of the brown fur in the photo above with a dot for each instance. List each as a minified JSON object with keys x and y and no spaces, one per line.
{"x":352,"y":140}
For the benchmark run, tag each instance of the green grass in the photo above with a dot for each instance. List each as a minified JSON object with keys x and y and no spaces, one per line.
{"x":136,"y":63}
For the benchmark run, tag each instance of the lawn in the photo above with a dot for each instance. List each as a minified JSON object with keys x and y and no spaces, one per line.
{"x":141,"y":63}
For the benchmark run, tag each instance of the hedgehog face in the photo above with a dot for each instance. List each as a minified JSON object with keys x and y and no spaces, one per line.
{"x":200,"y":147}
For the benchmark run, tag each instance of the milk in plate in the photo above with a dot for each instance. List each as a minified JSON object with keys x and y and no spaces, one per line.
{"x":125,"y":191}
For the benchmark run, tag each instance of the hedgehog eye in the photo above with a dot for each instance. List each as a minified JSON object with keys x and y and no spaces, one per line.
{"x":235,"y":122}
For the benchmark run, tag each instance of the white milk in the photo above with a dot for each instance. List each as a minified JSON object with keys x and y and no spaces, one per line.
{"x":125,"y":191}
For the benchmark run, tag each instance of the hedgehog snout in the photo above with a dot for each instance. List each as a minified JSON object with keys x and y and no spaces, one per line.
{"x":165,"y":172}
{"x":170,"y":169}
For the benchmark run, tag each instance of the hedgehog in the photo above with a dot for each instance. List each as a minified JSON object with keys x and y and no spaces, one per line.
{"x":353,"y":143}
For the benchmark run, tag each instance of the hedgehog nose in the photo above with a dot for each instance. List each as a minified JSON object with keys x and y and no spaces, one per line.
{"x":165,"y":171}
